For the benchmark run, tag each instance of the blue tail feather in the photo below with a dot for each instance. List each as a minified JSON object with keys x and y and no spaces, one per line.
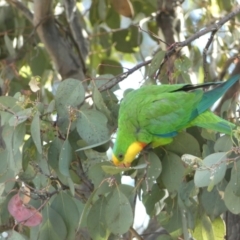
{"x":210,"y":97}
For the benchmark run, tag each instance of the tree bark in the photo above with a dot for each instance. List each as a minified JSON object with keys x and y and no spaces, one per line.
{"x":59,"y":49}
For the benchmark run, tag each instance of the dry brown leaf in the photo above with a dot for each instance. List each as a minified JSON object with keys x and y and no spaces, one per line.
{"x":123,"y":7}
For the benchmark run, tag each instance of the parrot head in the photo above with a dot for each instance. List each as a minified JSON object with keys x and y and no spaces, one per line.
{"x":125,"y":151}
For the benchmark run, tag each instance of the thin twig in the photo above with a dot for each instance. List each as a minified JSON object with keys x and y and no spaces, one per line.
{"x":205,"y":55}
{"x":112,"y":82}
{"x":135,"y":234}
{"x":153,"y":35}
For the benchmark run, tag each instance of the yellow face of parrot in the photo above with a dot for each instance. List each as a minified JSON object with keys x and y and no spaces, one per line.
{"x":125,"y":160}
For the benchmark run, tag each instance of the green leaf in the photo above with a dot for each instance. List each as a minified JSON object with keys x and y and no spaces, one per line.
{"x":186,"y":77}
{"x":235,"y":178}
{"x":94,"y":13}
{"x":53,"y":226}
{"x":54,"y":152}
{"x":20,"y":117}
{"x":223,"y":144}
{"x":154,"y":169}
{"x":66,"y":207}
{"x":110,"y":169}
{"x":184,"y":143}
{"x":231,"y":200}
{"x":9,"y":45}
{"x":156,"y":62}
{"x":35,"y":132}
{"x":172,"y":221}
{"x":110,"y":66}
{"x":118,"y":215}
{"x":203,"y":229}
{"x":65,"y":158}
{"x":7,"y":134}
{"x":29,"y":152}
{"x":71,"y":186}
{"x":7,"y":174}
{"x":99,"y":103}
{"x":164,"y":237}
{"x":39,"y":61}
{"x":128,"y":191}
{"x":149,"y":200}
{"x":51,"y":107}
{"x":10,"y":104}
{"x":212,"y":202}
{"x":99,"y":178}
{"x":219,"y":228}
{"x":13,"y":235}
{"x":212,"y":171}
{"x":96,"y":220}
{"x":113,"y":19}
{"x":172,"y":171}
{"x":209,"y":135}
{"x":70,"y":93}
{"x":102,"y":80}
{"x":102,"y":9}
{"x":92,"y":126}
{"x":127,"y":40}
{"x":186,"y":193}
{"x":3,"y":162}
{"x":89,"y":147}
{"x":183,"y":64}
{"x":18,"y":137}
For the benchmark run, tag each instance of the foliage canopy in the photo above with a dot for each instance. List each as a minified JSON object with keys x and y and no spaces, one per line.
{"x":61,"y":63}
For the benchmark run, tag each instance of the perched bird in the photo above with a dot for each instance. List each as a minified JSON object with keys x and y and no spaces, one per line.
{"x":153,"y":115}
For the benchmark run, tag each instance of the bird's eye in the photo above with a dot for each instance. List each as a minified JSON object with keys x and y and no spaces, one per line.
{"x":120,"y":156}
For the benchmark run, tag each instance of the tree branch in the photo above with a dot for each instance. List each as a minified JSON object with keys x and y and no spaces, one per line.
{"x":57,"y":46}
{"x":73,"y":18}
{"x":173,"y":49}
{"x":211,"y":28}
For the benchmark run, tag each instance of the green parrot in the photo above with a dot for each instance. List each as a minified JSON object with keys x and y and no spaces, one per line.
{"x":153,"y":115}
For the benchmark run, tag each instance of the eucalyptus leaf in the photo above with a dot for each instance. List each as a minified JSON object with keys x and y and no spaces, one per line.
{"x":127,"y":40}
{"x":92,"y":126}
{"x":154,"y":169}
{"x":184,"y":143}
{"x":20,"y":117}
{"x":70,"y":93}
{"x":223,"y":144}
{"x":156,"y":62}
{"x":203,"y":229}
{"x":65,"y":206}
{"x":212,"y":202}
{"x":172,"y":171}
{"x":53,"y":226}
{"x":118,"y":213}
{"x":65,"y":158}
{"x":96,"y":220}
{"x":212,"y":171}
{"x":35,"y":132}
{"x":231,"y":200}
{"x":235,"y":179}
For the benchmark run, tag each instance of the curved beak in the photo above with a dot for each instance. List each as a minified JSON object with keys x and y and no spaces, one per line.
{"x":115,"y":160}
{"x":117,"y":163}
